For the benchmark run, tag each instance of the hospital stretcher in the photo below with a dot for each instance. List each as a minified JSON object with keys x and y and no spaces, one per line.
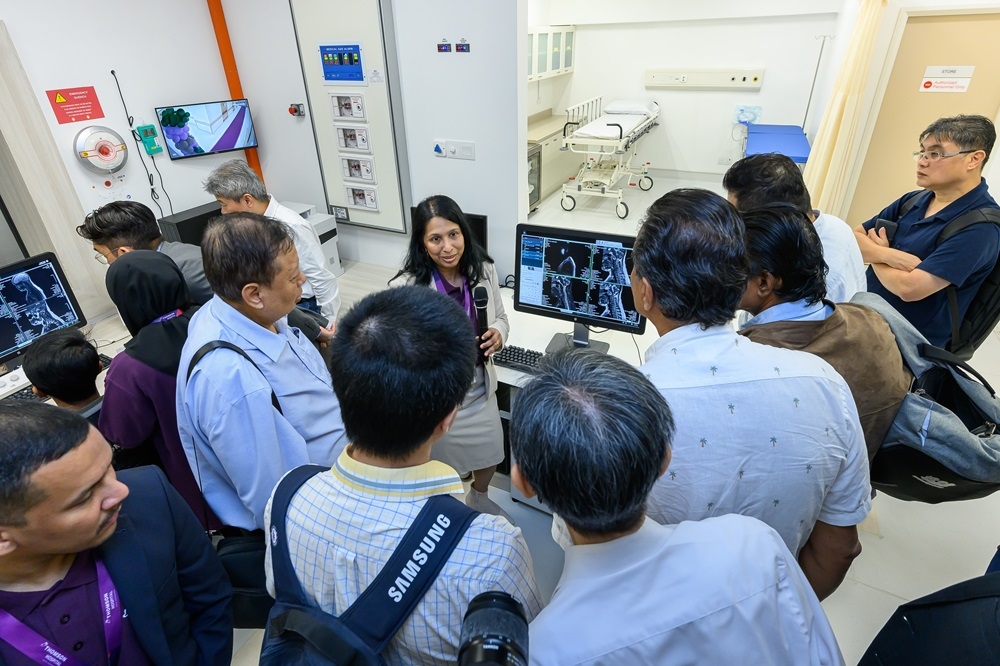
{"x":609,"y":141}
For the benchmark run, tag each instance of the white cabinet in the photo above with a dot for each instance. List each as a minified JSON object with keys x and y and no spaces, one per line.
{"x":550,"y":51}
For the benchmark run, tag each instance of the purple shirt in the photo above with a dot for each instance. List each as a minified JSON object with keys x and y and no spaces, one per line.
{"x":69,"y":615}
{"x":457,"y":294}
{"x":140,"y":407}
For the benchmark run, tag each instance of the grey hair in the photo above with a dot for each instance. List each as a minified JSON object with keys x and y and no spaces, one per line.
{"x":232,"y":179}
{"x":590,"y":433}
{"x":968,"y":132}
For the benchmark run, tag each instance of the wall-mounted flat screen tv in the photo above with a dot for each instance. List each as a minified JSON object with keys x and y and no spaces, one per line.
{"x":190,"y":130}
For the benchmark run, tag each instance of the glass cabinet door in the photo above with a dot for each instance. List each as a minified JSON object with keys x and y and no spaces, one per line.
{"x":556,"y":51}
{"x":568,"y":50}
{"x":543,"y":52}
{"x":531,"y":55}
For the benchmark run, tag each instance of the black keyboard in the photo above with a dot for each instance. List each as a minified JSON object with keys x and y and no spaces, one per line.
{"x":518,"y":358}
{"x":24,"y":395}
{"x":27,"y":395}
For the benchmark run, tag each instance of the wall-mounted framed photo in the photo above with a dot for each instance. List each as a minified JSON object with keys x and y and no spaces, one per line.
{"x":355,"y":138}
{"x":365,"y":198}
{"x":348,"y":107}
{"x":358,"y":169}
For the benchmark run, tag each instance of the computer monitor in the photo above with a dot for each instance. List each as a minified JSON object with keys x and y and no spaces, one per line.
{"x":191,"y":130}
{"x":577,"y":276}
{"x":477,"y":223}
{"x":35,"y":299}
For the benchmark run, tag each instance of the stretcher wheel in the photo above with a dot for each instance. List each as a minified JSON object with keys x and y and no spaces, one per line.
{"x":645,"y":183}
{"x":621,"y":210}
{"x":567,"y":202}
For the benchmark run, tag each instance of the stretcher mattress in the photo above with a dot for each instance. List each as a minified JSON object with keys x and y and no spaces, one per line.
{"x":602,"y":129}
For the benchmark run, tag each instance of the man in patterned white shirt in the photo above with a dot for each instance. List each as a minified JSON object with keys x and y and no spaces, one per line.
{"x":764,"y":432}
{"x":401,"y":360}
{"x":730,"y":573}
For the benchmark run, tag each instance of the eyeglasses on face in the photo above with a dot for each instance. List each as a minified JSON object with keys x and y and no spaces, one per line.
{"x":103,"y":257}
{"x":934,"y":155}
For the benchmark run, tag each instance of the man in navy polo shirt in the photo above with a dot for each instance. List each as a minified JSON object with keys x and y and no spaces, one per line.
{"x":909,"y":269}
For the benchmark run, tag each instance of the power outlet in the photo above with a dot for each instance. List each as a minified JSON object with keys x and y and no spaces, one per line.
{"x":725,"y":161}
{"x":705,"y":79}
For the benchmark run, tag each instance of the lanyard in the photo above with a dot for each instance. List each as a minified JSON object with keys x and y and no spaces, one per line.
{"x":466,"y":292}
{"x":34,"y":646}
{"x":167,"y":317}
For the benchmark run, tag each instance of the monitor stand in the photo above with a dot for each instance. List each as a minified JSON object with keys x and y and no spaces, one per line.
{"x":578,"y":339}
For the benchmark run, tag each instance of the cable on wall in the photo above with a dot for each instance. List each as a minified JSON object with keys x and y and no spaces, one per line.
{"x":153,"y":194}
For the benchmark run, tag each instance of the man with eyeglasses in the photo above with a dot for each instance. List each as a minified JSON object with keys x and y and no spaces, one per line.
{"x":909,"y":268}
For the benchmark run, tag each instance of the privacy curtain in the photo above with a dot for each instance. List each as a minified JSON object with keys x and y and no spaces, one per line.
{"x":829,"y":164}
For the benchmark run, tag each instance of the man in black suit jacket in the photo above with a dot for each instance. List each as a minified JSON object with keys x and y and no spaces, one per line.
{"x":95,"y":567}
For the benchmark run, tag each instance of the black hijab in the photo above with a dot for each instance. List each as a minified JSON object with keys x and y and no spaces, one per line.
{"x":146,"y":285}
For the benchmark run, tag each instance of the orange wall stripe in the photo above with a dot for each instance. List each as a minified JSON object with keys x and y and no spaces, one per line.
{"x":229,"y":65}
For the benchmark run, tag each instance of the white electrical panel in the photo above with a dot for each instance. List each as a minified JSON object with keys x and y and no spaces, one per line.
{"x":705,"y":79}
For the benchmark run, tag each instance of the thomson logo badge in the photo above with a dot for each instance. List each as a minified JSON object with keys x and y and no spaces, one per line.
{"x":933,"y":481}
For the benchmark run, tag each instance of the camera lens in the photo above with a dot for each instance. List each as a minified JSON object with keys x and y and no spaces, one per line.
{"x":494,"y":631}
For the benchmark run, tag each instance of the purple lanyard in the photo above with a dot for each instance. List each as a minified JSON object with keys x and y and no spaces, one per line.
{"x":167,"y":317}
{"x":34,"y":646}
{"x":466,"y":292}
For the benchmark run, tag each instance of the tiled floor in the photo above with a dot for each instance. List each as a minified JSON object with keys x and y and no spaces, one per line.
{"x":910,"y":549}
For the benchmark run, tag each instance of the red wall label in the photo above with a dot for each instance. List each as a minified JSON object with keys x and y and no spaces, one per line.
{"x":72,"y":105}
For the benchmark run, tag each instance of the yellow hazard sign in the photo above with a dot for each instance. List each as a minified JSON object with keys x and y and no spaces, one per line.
{"x":59,"y":98}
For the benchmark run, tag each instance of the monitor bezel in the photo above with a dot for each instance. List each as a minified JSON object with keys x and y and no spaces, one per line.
{"x":163,"y":136}
{"x":570,"y":234}
{"x":10,"y":358}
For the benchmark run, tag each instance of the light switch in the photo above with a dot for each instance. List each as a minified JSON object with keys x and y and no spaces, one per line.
{"x":462,"y":150}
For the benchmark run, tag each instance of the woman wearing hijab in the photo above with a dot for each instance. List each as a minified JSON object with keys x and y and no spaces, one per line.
{"x":140,"y":405}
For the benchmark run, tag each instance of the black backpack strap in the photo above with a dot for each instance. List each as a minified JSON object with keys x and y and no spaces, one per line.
{"x":286,"y":585}
{"x":959,"y":224}
{"x":389,"y":600}
{"x":216,"y":344}
{"x":908,"y":204}
{"x":932,"y":353}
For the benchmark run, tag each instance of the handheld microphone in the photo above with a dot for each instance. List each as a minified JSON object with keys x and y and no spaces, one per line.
{"x":481,"y":297}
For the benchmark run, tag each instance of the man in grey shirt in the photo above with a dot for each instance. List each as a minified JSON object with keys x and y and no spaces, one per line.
{"x":123,"y":226}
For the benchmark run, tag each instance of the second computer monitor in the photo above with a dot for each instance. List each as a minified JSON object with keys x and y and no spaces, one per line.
{"x":35,"y":299}
{"x":576,"y":276}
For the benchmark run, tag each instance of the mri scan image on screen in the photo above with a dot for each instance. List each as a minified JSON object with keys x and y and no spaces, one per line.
{"x":34,"y":300}
{"x":577,"y":276}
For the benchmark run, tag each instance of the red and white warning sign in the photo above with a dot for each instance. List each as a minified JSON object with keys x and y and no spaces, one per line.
{"x":945,"y":85}
{"x":72,"y":105}
{"x":947,"y":78}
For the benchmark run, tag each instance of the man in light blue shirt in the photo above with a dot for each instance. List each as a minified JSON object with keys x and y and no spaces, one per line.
{"x":237,"y":441}
{"x":722,"y":590}
{"x":764,"y":432}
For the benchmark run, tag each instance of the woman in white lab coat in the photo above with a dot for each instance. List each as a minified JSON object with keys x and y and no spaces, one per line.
{"x":444,"y":255}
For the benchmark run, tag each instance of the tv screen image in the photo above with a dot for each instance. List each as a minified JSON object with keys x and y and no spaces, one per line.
{"x":34,"y":299}
{"x":205,"y":129}
{"x":576,"y":276}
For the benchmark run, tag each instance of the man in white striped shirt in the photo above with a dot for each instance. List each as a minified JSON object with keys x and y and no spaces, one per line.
{"x":401,"y":362}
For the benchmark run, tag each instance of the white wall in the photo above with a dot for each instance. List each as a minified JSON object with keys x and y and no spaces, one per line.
{"x":638,"y":11}
{"x":271,"y":77}
{"x":477,"y":97}
{"x":696,"y":127}
{"x":163,"y":53}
